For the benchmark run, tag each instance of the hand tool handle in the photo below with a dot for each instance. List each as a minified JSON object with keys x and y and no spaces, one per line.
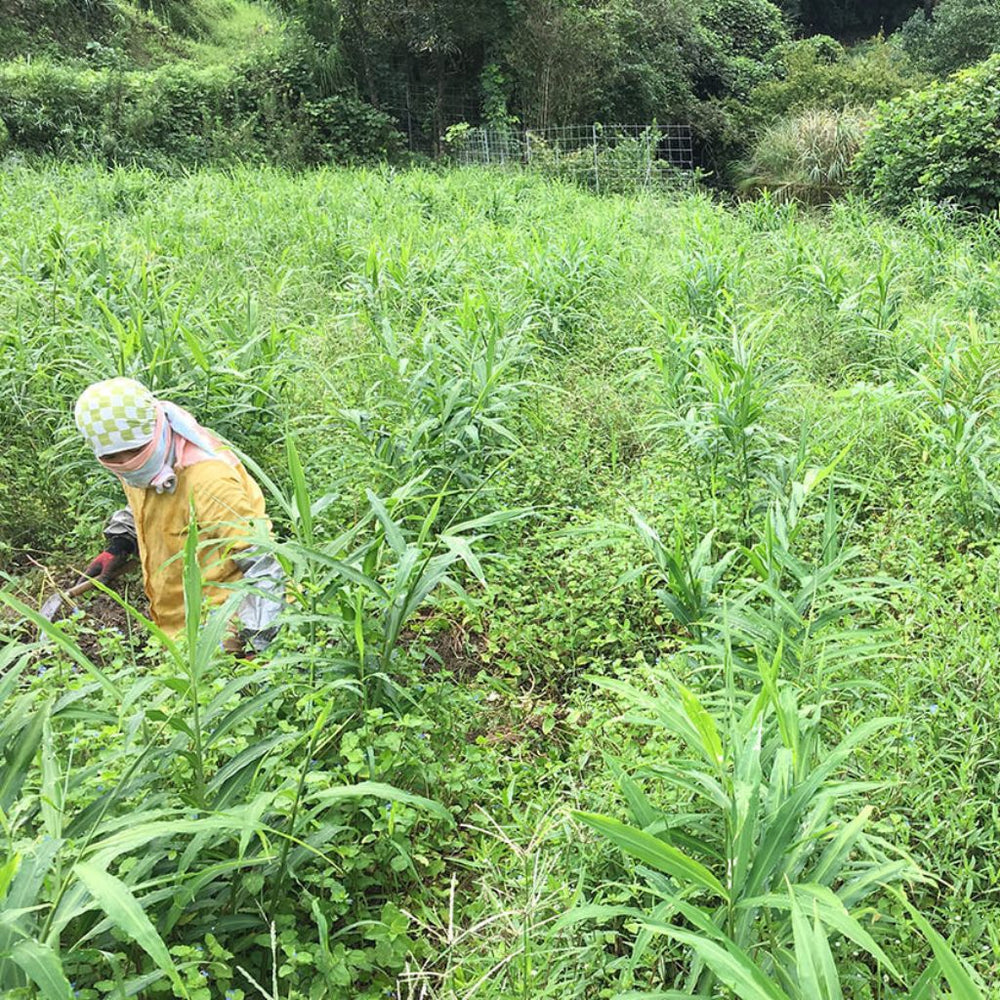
{"x":80,"y":588}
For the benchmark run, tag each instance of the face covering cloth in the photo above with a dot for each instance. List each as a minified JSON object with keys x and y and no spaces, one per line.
{"x":120,"y":415}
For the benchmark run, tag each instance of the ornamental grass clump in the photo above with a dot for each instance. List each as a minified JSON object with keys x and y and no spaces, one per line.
{"x":806,"y":158}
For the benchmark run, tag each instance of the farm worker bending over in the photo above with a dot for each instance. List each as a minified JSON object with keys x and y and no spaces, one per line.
{"x":171,"y":466}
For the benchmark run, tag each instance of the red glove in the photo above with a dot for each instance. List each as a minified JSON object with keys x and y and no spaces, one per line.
{"x":107,"y":566}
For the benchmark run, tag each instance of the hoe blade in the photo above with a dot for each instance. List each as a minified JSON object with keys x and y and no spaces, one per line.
{"x":54,"y":604}
{"x":51,"y":607}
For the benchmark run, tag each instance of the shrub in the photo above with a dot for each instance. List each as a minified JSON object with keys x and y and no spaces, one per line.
{"x":806,"y":158}
{"x":960,"y":33}
{"x":748,"y":28}
{"x":196,"y":115}
{"x":342,"y":127}
{"x":817,"y":73}
{"x":729,"y":51}
{"x":938,"y":144}
{"x":823,"y":47}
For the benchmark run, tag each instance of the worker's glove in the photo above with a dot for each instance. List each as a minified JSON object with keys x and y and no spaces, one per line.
{"x":112,"y":562}
{"x":234,"y":644}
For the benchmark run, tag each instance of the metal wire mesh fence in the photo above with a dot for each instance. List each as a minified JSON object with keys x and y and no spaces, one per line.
{"x":602,"y":157}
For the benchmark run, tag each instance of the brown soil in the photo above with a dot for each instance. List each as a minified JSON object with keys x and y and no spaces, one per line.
{"x":459,"y":650}
{"x":98,"y":612}
{"x":104,"y":615}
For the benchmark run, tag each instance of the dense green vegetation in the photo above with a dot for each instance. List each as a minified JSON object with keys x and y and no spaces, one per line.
{"x":640,"y":640}
{"x":195,"y":81}
{"x":128,"y":35}
{"x":938,"y":144}
{"x":773,"y":99}
{"x":646,"y":583}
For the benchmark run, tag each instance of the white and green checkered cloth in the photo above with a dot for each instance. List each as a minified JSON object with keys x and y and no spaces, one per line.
{"x":116,"y":415}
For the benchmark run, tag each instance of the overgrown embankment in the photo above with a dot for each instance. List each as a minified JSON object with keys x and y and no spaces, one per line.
{"x":178,"y":84}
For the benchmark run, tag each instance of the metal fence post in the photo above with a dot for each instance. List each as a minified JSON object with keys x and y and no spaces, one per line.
{"x":597,"y":173}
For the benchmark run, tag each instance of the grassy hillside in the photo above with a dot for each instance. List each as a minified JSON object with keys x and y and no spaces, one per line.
{"x":560,"y":455}
{"x":123,"y":34}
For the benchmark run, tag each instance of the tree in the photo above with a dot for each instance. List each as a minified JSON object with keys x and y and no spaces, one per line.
{"x":555,"y":61}
{"x":558,"y":53}
{"x":957,"y":33}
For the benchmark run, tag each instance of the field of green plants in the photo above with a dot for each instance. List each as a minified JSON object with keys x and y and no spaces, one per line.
{"x":643,"y":634}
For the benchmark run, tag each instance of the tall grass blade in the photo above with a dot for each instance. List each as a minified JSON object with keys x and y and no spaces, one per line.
{"x":19,"y":757}
{"x":731,"y":964}
{"x":42,"y":966}
{"x":392,"y":533}
{"x":127,"y":914}
{"x":303,"y":506}
{"x":806,"y":959}
{"x":379,"y":790}
{"x":655,"y":852}
{"x":962,"y":985}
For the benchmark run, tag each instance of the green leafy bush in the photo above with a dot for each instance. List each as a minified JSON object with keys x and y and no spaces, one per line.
{"x":823,"y":47}
{"x":342,"y":127}
{"x":938,"y":144}
{"x":817,"y":73}
{"x":745,"y":27}
{"x":730,"y":45}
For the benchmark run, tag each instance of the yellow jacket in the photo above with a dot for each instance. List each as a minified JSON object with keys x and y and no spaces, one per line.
{"x":226,"y":502}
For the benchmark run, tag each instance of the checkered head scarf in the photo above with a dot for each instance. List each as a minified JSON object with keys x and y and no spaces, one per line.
{"x":116,"y":415}
{"x":122,"y":415}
